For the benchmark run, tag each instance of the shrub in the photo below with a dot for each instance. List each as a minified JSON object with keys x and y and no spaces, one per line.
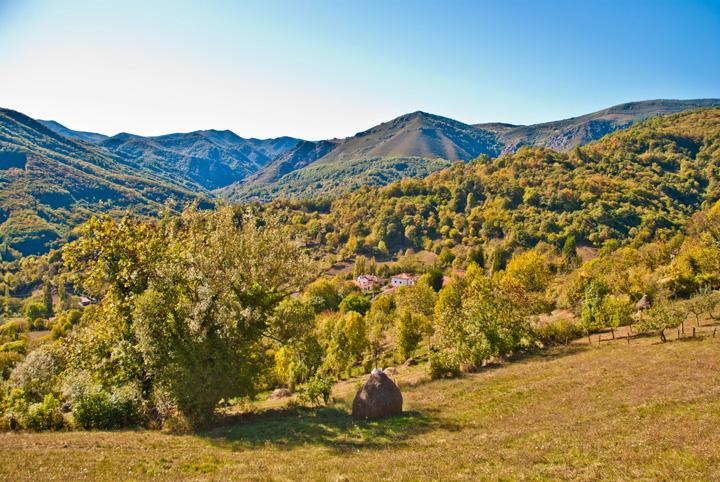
{"x":13,"y":404}
{"x":317,"y":390}
{"x":559,"y":332}
{"x":8,"y":360}
{"x":17,"y":346}
{"x":37,"y":373}
{"x":44,"y":415}
{"x":100,"y":409}
{"x":615,"y":311}
{"x":443,"y":365}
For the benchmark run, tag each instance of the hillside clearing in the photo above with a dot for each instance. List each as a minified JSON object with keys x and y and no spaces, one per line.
{"x":618,"y":411}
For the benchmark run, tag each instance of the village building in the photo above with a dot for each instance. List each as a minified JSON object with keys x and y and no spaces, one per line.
{"x":368,"y":282}
{"x":404,"y":279}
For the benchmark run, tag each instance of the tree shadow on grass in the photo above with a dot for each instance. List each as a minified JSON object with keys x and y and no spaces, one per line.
{"x":329,"y":427}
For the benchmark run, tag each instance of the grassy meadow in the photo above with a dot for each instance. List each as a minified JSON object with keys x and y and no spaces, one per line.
{"x":644,"y":410}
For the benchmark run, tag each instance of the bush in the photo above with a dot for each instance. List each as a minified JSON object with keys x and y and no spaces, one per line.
{"x":8,"y":360}
{"x":36,"y":374}
{"x":99,"y":409}
{"x":443,"y":365}
{"x":45,"y":415}
{"x":13,"y":405}
{"x":317,"y":389}
{"x":559,"y":332}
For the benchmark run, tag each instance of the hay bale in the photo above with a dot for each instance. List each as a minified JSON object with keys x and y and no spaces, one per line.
{"x":378,"y":398}
{"x":279,"y":393}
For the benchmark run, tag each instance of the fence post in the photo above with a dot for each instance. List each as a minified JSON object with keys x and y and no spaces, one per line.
{"x":714,"y":332}
{"x":628,"y":337}
{"x":693,"y":332}
{"x":612,"y":330}
{"x":678,"y":332}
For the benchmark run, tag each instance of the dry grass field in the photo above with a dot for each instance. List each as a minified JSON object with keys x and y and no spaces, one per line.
{"x":644,"y":411}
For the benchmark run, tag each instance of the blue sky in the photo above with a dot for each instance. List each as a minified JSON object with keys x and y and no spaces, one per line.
{"x":321,"y":69}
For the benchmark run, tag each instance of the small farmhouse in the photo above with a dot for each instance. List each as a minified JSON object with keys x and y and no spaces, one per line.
{"x":404,"y":279}
{"x":368,"y":282}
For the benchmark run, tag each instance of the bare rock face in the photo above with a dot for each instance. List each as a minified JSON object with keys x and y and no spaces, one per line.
{"x":378,"y":398}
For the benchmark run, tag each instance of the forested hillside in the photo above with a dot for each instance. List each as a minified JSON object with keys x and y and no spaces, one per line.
{"x":50,"y":184}
{"x":56,"y":177}
{"x":412,"y":144}
{"x":629,"y":187}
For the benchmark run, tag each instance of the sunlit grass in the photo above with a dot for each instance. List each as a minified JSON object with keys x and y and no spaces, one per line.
{"x":641,"y":411}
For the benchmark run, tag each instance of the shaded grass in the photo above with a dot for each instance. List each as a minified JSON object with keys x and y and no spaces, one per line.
{"x":329,"y":427}
{"x":645,"y":411}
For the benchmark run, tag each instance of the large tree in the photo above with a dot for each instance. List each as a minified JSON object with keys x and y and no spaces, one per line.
{"x":188,"y":303}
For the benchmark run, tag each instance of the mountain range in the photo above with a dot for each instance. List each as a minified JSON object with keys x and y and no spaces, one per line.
{"x":53,"y":177}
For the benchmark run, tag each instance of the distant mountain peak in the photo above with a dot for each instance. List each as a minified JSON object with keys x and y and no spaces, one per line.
{"x":92,"y":137}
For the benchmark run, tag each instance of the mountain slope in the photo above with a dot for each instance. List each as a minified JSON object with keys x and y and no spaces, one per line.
{"x":92,"y":137}
{"x":210,"y":159}
{"x":631,"y":186}
{"x":416,"y":144}
{"x":49,"y":183}
{"x":410,"y":145}
{"x":418,"y":134}
{"x":566,"y":134}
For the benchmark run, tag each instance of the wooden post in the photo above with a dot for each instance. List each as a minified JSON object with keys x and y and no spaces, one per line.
{"x":678,"y":332}
{"x":589,"y":340}
{"x":612,"y":330}
{"x":683,"y":327}
{"x":714,"y":332}
{"x":628,"y":337}
{"x":693,"y":332}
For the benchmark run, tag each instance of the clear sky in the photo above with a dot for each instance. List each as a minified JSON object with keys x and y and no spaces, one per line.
{"x":320,"y":69}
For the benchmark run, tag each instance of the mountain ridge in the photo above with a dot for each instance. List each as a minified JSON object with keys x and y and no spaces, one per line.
{"x":420,"y":135}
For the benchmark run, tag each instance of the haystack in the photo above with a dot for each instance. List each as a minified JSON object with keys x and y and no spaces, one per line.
{"x":378,"y":398}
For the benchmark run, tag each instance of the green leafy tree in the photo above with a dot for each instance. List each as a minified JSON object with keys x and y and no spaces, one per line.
{"x":433,"y":278}
{"x":569,"y":252}
{"x":409,"y":333}
{"x":34,"y":311}
{"x":188,"y":305}
{"x":594,"y":295}
{"x":660,"y":317}
{"x":530,"y":269}
{"x":355,"y":302}
{"x":477,"y":320}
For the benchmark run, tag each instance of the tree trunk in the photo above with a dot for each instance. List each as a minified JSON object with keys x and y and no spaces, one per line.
{"x":662,"y":336}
